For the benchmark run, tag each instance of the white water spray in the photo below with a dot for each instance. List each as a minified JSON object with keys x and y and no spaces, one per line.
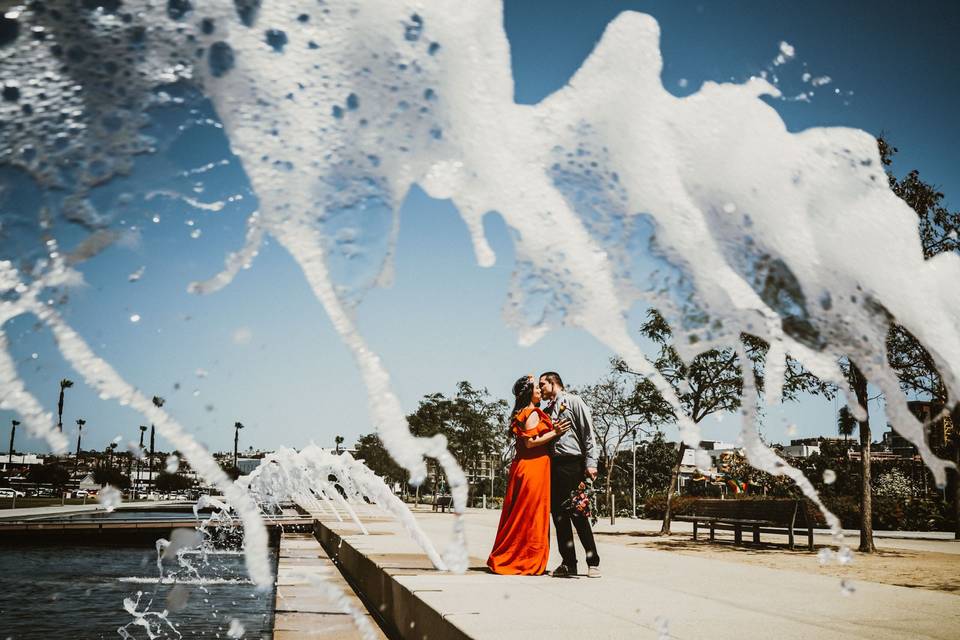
{"x":794,"y":238}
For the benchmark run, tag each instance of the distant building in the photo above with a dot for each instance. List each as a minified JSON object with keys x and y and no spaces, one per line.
{"x":247,"y":465}
{"x":801,"y":450}
{"x":19,"y":460}
{"x":939,"y":423}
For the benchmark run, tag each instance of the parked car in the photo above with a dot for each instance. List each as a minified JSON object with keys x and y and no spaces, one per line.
{"x":81,"y":493}
{"x":7,"y":492}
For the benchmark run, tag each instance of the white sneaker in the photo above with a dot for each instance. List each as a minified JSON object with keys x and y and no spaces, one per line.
{"x":594,"y":572}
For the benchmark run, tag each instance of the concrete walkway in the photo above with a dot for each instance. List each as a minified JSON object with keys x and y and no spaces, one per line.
{"x":306,"y":608}
{"x":939,"y":541}
{"x":643,"y":594}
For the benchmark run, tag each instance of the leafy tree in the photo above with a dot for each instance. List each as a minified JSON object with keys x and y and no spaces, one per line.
{"x":621,"y":407}
{"x":169,"y":482}
{"x":472,"y":421}
{"x":713,"y":381}
{"x":916,"y":369}
{"x":51,"y":473}
{"x":370,"y":449}
{"x":654,"y":462}
{"x":105,"y":474}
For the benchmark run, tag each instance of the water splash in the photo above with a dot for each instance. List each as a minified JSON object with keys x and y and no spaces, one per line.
{"x":371,"y":100}
{"x":300,"y":477}
{"x":109,"y":498}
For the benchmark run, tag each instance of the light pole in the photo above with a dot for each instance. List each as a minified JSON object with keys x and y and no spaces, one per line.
{"x":143,"y":430}
{"x":13,"y":433}
{"x":157,"y":402}
{"x":80,"y":423}
{"x":236,"y":440}
{"x":634,"y":474}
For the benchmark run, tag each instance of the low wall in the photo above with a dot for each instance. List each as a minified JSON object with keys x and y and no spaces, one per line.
{"x":399,"y":610}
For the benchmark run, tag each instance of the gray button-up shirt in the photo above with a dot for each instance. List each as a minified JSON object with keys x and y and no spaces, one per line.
{"x":579,"y":440}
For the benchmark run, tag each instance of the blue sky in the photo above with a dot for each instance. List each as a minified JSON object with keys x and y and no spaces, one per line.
{"x":262,"y":351}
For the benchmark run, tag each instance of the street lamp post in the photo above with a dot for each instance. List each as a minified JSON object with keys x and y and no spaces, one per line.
{"x":157,"y":402}
{"x":80,"y":423}
{"x":634,"y":474}
{"x":143,"y":430}
{"x":13,"y":433}
{"x":236,"y":440}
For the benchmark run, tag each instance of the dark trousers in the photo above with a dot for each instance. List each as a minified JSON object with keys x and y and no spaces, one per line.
{"x":565,"y":474}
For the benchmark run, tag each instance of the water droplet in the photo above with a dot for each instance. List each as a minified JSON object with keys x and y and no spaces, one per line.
{"x":844,"y":555}
{"x":413,"y":29}
{"x":11,"y":92}
{"x":220,"y":59}
{"x":729,"y":207}
{"x":195,"y":233}
{"x":9,"y":29}
{"x":135,"y":318}
{"x":662,"y":626}
{"x":173,"y":463}
{"x":176,"y":9}
{"x":792,"y":430}
{"x":846,"y":588}
{"x":34,"y":355}
{"x":824,"y":556}
{"x":353,"y":102}
{"x":829,"y":476}
{"x":277,"y":39}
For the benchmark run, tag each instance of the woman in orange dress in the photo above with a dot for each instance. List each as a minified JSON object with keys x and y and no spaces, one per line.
{"x":523,"y":536}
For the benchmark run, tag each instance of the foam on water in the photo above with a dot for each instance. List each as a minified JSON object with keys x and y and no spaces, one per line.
{"x":792,"y":237}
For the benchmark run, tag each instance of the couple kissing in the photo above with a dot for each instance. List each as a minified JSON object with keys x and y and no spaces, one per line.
{"x":555,"y":451}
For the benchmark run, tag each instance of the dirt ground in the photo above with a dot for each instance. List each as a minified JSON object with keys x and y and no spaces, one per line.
{"x":920,"y":569}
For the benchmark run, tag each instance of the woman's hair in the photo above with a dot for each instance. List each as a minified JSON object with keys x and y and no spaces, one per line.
{"x":523,"y":392}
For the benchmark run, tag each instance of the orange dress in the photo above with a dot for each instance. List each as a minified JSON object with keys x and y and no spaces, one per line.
{"x":523,"y":536}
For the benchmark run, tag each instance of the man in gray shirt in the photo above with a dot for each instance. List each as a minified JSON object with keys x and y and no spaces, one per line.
{"x":574,"y":457}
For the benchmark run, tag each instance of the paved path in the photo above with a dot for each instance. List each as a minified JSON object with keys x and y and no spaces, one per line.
{"x":939,"y":541}
{"x":646,"y":593}
{"x":312,"y":597}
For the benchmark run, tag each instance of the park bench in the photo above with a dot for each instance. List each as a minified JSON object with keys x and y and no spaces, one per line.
{"x":759,"y":516}
{"x":442,"y":503}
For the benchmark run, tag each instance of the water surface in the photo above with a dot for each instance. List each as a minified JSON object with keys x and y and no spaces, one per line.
{"x":77,"y":592}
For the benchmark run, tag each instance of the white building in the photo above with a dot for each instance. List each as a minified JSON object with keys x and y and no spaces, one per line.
{"x":801,"y":450}
{"x":19,"y":460}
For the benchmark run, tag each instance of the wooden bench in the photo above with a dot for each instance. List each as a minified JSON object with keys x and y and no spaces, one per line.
{"x":759,"y":516}
{"x":443,"y":502}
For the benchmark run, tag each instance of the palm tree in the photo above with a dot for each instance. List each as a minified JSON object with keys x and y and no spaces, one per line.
{"x":112,"y":447}
{"x":338,"y":441}
{"x":236,"y":439}
{"x":13,"y":433}
{"x":66,"y":383}
{"x":80,"y":423}
{"x":846,"y":423}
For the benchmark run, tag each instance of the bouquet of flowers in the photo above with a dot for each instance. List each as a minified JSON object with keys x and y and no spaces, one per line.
{"x":581,"y":501}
